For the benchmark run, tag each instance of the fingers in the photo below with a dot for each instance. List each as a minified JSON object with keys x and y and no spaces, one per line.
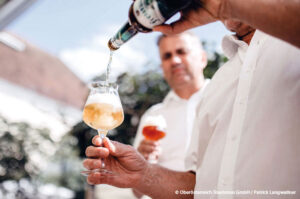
{"x":147,"y":146}
{"x":96,"y":152}
{"x":110,"y":147}
{"x":184,"y":23}
{"x":153,"y":155}
{"x":189,"y":19}
{"x":97,"y":178}
{"x":166,"y":29}
{"x":150,"y":142}
{"x":174,"y":28}
{"x":97,"y":141}
{"x":126,"y":161}
{"x":91,"y":164}
{"x":117,"y":149}
{"x":101,"y":178}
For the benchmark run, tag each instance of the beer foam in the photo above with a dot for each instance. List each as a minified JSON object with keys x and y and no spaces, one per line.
{"x":104,"y":98}
{"x":157,"y":120}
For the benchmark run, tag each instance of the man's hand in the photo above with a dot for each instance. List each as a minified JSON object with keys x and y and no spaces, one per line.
{"x":149,"y":149}
{"x":131,"y":170}
{"x":197,"y":14}
{"x":275,"y":17}
{"x":124,"y":161}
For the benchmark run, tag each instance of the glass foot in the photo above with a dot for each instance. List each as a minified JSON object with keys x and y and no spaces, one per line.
{"x":103,"y":171}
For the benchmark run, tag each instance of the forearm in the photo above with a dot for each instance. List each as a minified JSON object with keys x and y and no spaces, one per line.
{"x":159,"y":182}
{"x":279,"y":18}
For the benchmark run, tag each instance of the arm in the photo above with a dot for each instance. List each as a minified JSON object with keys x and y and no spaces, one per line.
{"x":145,"y":147}
{"x":134,"y":171}
{"x":150,"y":150}
{"x":280,"y":18}
{"x":160,"y":182}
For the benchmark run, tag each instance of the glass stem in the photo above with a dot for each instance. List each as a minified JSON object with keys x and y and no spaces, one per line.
{"x":102,"y":135}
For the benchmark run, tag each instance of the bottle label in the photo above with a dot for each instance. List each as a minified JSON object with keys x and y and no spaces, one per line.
{"x":123,"y":35}
{"x":147,"y":13}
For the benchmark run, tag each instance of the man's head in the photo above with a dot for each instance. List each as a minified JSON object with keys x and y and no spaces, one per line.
{"x":182,"y":60}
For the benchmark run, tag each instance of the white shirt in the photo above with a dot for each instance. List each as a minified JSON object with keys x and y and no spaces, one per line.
{"x":247,"y":129}
{"x":179,"y":115}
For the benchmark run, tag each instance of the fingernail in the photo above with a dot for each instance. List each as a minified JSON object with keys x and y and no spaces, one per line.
{"x":99,"y":141}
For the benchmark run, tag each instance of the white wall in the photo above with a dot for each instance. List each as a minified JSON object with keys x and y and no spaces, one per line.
{"x":19,"y":104}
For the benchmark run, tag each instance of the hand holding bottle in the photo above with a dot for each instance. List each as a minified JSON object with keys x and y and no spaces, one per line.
{"x":197,"y":14}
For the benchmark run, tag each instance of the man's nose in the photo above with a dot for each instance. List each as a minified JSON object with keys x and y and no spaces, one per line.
{"x":176,"y":59}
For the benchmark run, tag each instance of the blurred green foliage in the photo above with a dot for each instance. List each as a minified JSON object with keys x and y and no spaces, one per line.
{"x":19,"y":142}
{"x":30,"y":155}
{"x":214,"y":64}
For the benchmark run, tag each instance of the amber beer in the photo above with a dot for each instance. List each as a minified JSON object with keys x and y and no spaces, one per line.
{"x":153,"y":133}
{"x":154,"y":128}
{"x":102,"y":116}
{"x":103,"y":111}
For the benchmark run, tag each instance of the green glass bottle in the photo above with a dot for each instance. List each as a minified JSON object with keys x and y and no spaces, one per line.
{"x":143,"y":16}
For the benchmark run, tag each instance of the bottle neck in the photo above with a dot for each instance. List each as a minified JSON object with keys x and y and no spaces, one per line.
{"x":123,"y":35}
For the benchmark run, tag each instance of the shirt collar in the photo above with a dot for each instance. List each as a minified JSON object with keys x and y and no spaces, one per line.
{"x":172,"y":96}
{"x":232,"y":45}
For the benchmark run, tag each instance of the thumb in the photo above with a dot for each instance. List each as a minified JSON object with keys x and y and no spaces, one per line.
{"x":174,"y":28}
{"x":115,"y":148}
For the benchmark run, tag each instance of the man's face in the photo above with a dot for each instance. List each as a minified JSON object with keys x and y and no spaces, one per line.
{"x":182,"y":59}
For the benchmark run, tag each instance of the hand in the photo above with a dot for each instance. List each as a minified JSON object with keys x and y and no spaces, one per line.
{"x":197,"y":14}
{"x":149,"y":149}
{"x":123,"y":160}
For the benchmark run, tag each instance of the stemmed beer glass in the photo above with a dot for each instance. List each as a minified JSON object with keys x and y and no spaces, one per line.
{"x":103,"y":112}
{"x":154,"y":129}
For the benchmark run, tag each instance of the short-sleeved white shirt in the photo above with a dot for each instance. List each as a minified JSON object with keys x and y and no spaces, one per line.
{"x":179,"y":115}
{"x":246,"y":135}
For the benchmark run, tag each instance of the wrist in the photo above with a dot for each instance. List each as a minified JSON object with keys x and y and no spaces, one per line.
{"x":145,"y":178}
